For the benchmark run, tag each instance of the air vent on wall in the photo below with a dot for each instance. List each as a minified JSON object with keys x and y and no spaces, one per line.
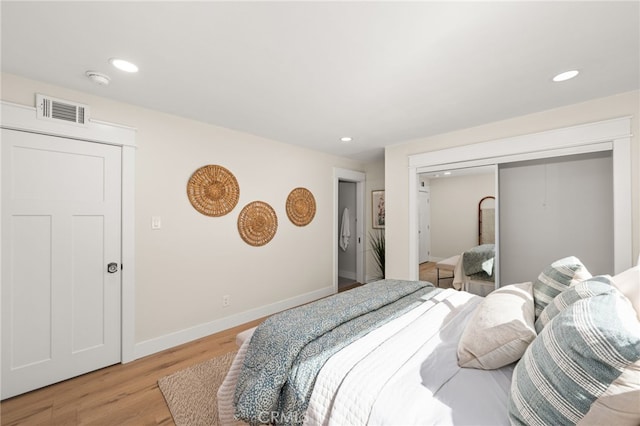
{"x":49,"y":108}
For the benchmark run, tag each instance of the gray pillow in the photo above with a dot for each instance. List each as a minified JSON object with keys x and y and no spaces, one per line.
{"x":573,"y":362}
{"x":556,"y":278}
{"x":588,"y":288}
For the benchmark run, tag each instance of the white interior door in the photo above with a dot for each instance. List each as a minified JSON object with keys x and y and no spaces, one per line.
{"x":424,"y":225}
{"x":61,"y":226}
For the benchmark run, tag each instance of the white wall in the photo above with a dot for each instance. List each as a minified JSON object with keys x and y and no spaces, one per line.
{"x":396,"y":162}
{"x":454,"y":212}
{"x":185,"y":268}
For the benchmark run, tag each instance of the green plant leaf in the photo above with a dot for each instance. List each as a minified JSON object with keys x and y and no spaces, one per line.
{"x":377,"y":242}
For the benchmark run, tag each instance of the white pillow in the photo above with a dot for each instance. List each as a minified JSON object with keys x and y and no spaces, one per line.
{"x":500,"y":329}
{"x":628,"y":282}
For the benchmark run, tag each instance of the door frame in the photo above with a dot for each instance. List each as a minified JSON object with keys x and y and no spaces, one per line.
{"x":24,"y":118}
{"x":359,"y":179}
{"x":426,"y":189}
{"x":608,"y":135}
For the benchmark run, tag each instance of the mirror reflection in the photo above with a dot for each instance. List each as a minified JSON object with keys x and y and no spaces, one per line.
{"x":487,"y":220}
{"x":456,"y":225}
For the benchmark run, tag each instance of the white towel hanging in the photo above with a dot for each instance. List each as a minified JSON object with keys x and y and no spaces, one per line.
{"x":345,"y":234}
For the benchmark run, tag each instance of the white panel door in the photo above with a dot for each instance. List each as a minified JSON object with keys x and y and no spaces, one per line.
{"x":61,"y":212}
{"x":424,"y":226}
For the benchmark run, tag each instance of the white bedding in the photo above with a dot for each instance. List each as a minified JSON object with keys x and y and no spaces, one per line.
{"x":405,"y":372}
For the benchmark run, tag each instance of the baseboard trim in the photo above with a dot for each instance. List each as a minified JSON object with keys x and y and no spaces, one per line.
{"x":369,"y":279}
{"x":347,"y":274}
{"x":168,"y":341}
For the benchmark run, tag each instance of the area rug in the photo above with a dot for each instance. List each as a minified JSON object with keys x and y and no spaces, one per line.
{"x":191,"y":393}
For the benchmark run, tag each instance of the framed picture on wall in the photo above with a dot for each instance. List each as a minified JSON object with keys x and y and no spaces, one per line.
{"x":377,"y":208}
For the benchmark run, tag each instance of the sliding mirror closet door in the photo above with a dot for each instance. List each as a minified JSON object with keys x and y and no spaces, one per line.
{"x":556,"y":207}
{"x":448,"y":216}
{"x":563,"y":192}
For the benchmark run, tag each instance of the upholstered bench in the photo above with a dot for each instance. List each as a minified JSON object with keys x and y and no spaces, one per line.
{"x":448,"y":264}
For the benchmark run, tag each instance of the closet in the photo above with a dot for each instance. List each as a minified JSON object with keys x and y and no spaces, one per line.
{"x":561,"y":192}
{"x":553,"y":207}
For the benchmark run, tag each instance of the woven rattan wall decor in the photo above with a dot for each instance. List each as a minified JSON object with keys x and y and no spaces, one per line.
{"x":213,"y":190}
{"x":301,"y":206}
{"x":257,"y":223}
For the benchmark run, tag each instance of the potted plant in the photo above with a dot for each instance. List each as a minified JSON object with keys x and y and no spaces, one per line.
{"x":377,"y":242}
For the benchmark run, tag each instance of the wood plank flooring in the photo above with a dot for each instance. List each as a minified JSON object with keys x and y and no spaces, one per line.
{"x":427,"y":272}
{"x":123,"y":394}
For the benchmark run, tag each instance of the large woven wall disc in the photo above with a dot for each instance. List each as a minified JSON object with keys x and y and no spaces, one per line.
{"x":301,"y":206}
{"x":213,"y":190}
{"x":257,"y":223}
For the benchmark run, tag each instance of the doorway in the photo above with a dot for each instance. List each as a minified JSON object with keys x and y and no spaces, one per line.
{"x":348,"y":230}
{"x":424,"y":223}
{"x":61,"y":257}
{"x":347,"y":265}
{"x":22,"y":119}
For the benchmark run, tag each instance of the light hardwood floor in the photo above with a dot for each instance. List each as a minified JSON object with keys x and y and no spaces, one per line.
{"x":428,"y":273}
{"x":123,"y":394}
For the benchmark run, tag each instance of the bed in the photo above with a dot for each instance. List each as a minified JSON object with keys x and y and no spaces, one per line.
{"x":471,"y":271}
{"x":403,"y":352}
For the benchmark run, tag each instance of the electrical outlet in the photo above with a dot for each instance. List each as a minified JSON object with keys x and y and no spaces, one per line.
{"x":226,"y":300}
{"x":156,"y":222}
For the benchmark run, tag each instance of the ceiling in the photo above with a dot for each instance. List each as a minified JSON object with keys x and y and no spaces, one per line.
{"x":309,"y":73}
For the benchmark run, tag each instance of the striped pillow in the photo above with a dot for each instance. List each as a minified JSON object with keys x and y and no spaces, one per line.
{"x":556,"y":278}
{"x":591,"y":287}
{"x":628,"y":282}
{"x":574,"y":360}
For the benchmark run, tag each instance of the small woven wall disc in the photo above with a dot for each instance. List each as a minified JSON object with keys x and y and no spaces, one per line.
{"x":213,"y":190}
{"x":257,"y":223}
{"x":301,"y":206}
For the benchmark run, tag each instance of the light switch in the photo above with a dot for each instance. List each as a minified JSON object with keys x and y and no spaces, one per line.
{"x":156,"y":222}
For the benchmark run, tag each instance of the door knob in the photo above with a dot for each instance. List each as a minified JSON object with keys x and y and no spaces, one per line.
{"x":112,"y":268}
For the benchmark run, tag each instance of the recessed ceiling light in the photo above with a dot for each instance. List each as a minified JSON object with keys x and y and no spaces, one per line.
{"x":123,"y":65}
{"x":567,"y":75}
{"x":447,"y":173}
{"x":346,"y":139}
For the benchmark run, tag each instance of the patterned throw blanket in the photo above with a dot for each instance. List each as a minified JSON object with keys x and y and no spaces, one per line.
{"x":288,"y":349}
{"x":479,"y":260}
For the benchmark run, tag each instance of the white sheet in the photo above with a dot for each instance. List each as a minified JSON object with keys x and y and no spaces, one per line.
{"x":405,"y":372}
{"x":408,"y":374}
{"x":227,"y":389}
{"x":329,"y":380}
{"x":431,"y":389}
